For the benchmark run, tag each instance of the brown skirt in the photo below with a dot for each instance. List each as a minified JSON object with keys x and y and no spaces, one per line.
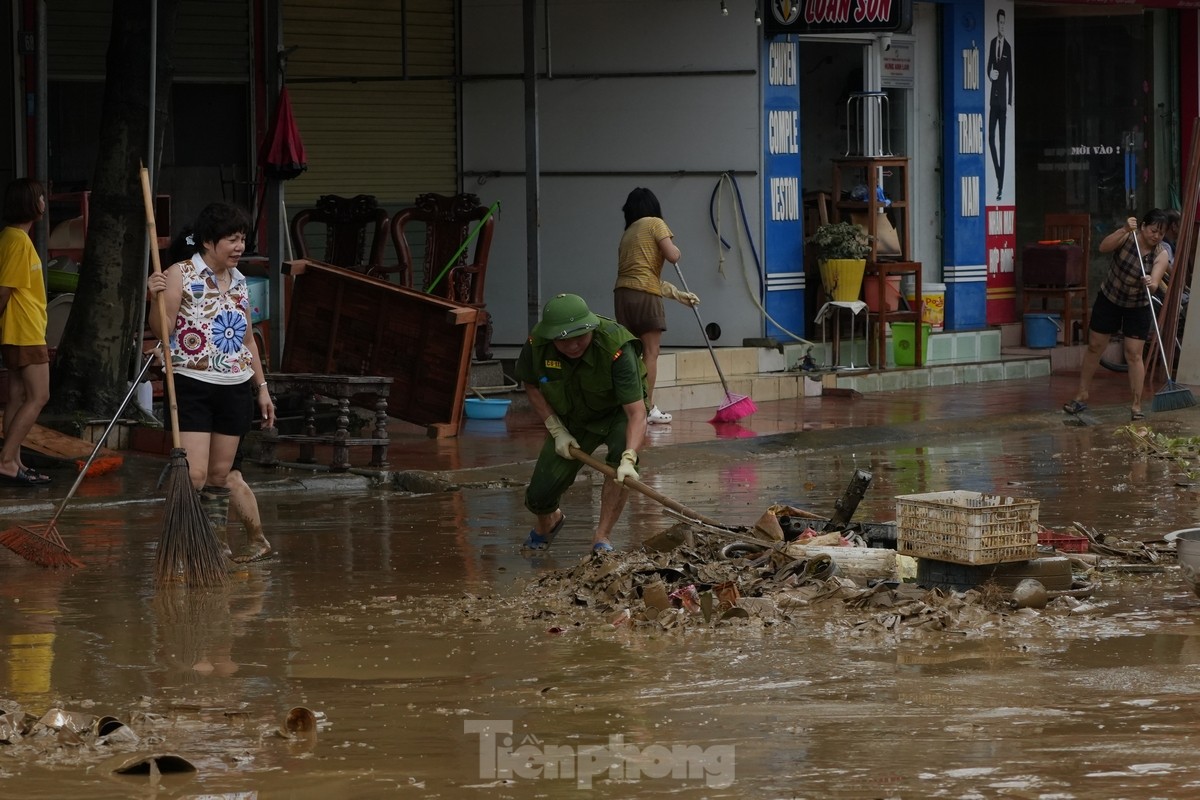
{"x":639,"y":311}
{"x":17,"y":356}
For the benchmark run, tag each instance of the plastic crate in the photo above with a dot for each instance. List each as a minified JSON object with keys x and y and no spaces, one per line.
{"x":964,"y":527}
{"x":1063,"y":542}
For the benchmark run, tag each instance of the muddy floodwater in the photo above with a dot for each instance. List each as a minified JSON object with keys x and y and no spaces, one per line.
{"x":398,"y":620}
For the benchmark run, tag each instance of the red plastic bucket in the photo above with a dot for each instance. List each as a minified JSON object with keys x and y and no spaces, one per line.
{"x":891,"y":293}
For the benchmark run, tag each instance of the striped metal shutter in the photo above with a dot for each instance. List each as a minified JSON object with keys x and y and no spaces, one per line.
{"x":212,"y":40}
{"x":374,"y":98}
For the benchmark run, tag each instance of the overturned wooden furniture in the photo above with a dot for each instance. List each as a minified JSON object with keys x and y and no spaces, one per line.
{"x":345,"y":323}
{"x":449,"y":266}
{"x":343,"y":389}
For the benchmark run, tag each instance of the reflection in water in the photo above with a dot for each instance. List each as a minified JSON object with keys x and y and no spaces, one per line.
{"x":29,"y":601}
{"x":193,"y":629}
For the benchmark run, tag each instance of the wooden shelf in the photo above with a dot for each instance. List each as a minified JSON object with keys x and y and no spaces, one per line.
{"x":880,"y":271}
{"x":887,"y":172}
{"x":891,"y":174}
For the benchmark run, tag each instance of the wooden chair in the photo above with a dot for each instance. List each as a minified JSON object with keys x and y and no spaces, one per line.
{"x":1070,"y":299}
{"x":349,"y":225}
{"x":439,"y":225}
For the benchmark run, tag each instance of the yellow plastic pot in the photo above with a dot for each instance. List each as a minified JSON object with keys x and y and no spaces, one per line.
{"x":843,"y":277}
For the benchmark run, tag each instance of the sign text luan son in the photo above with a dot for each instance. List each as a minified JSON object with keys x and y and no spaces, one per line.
{"x":837,"y":16}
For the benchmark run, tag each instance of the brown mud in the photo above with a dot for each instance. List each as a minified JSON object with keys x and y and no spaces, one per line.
{"x":440,"y":662}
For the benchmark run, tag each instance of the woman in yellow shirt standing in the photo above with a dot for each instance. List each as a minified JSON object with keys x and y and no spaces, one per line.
{"x":645,"y":246}
{"x":22,"y":327}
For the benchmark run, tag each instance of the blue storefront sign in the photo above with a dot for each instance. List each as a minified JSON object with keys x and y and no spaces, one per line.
{"x":963,"y":254}
{"x":783,"y":234}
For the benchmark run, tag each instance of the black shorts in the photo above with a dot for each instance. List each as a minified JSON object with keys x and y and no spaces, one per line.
{"x":221,"y":408}
{"x":639,"y":311}
{"x":1108,"y":317}
{"x":239,"y":456}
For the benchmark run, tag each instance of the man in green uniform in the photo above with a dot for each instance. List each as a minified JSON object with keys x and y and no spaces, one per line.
{"x":585,"y":378}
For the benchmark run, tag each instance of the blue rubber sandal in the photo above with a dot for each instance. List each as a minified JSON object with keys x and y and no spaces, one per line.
{"x":602,"y":547}
{"x":538,"y":542}
{"x":1074,"y":407}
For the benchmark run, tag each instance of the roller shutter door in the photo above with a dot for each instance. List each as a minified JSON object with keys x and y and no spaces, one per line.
{"x":374,"y":98}
{"x":212,"y":40}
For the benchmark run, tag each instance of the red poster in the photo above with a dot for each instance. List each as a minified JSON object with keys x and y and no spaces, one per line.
{"x":1001,"y":281}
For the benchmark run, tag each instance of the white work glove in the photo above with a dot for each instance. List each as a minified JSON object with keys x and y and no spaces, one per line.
{"x":675,"y":293}
{"x":563,"y":440}
{"x":628,"y":466}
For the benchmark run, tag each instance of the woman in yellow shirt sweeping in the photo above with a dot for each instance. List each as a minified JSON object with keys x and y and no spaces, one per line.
{"x":645,"y":246}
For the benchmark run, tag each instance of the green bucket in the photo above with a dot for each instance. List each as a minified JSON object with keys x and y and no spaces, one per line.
{"x":904,"y":345}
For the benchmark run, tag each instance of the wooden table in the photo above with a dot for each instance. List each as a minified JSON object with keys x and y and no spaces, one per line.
{"x":342,"y":388}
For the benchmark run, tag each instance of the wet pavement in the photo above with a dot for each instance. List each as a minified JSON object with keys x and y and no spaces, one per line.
{"x":407,"y":621}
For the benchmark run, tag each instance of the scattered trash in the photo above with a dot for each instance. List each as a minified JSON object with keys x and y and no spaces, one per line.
{"x":1030,"y":593}
{"x":688,"y":598}
{"x":56,"y":719}
{"x":113,"y":731}
{"x":299,"y":723}
{"x":1183,"y":451}
{"x":1124,"y":549}
{"x":654,"y":595}
{"x":154,"y":763}
{"x":108,"y":741}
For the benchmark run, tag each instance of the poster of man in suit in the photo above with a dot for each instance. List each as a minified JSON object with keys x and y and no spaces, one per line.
{"x":999,"y":72}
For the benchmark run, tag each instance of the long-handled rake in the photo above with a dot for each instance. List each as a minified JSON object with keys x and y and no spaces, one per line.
{"x":736,"y":406}
{"x":1171,"y":396}
{"x":633,"y":483}
{"x":188,"y":549}
{"x":44,"y":546}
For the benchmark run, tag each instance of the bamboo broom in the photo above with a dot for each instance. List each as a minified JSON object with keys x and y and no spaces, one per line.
{"x":188,"y":549}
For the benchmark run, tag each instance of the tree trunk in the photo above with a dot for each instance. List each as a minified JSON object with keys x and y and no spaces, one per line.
{"x":100,"y":343}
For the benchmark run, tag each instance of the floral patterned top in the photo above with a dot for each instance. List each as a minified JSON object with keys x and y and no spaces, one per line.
{"x":208,"y":343}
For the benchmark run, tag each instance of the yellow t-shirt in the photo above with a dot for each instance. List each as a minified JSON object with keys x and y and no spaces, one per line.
{"x":639,"y":261}
{"x":24,"y":318}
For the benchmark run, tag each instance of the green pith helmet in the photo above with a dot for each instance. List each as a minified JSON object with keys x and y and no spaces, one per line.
{"x":566,"y":316}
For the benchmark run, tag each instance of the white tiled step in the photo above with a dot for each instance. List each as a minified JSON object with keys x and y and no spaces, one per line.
{"x":687,"y":379}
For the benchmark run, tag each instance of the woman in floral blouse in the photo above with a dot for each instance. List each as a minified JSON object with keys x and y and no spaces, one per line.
{"x":219,"y":378}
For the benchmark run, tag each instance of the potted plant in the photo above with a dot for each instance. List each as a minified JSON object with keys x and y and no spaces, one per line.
{"x":842,"y":249}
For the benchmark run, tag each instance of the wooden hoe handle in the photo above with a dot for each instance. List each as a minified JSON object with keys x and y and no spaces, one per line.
{"x":163,"y":322}
{"x":638,"y":486}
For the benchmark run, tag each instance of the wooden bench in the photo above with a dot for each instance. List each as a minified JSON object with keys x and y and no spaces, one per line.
{"x":341,"y":388}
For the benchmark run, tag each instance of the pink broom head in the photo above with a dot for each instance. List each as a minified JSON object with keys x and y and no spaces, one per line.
{"x":735,"y":407}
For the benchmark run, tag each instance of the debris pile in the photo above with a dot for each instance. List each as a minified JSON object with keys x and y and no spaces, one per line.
{"x":800,"y":568}
{"x":1183,"y":451}
{"x":708,"y":581}
{"x":797,"y":568}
